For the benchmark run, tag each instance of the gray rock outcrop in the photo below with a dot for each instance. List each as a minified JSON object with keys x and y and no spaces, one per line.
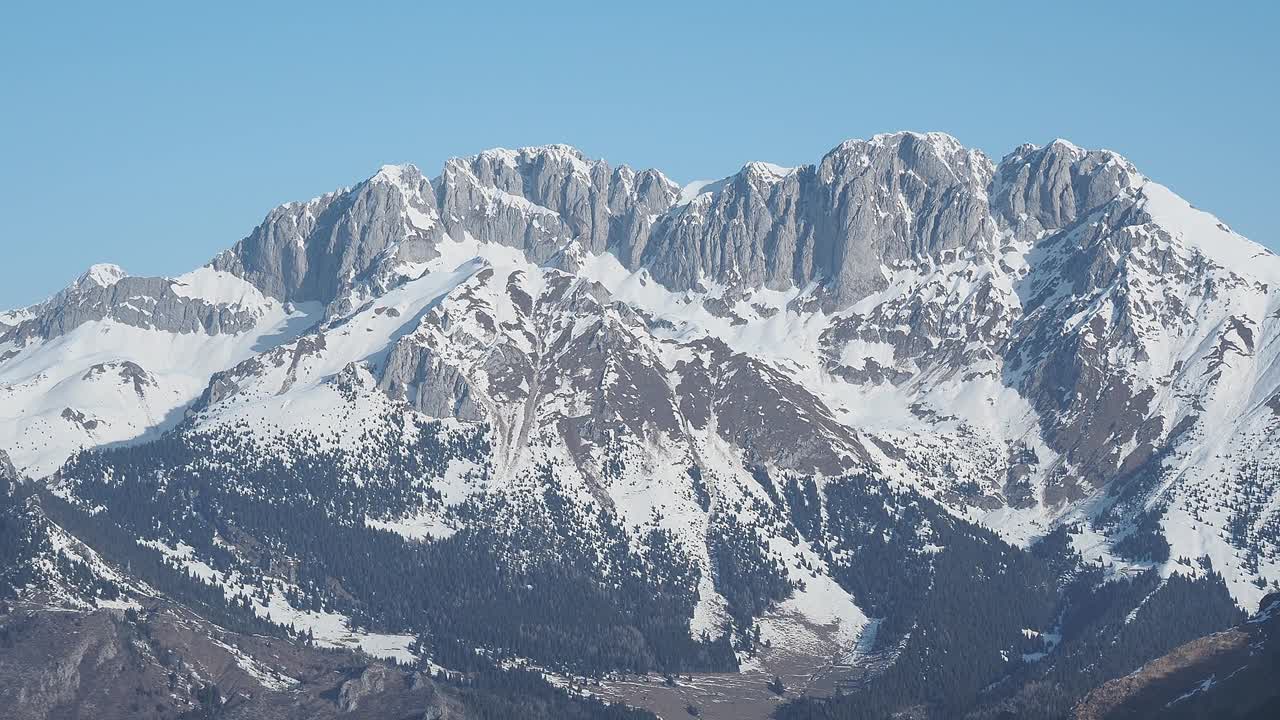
{"x":371,"y":681}
{"x":144,"y":302}
{"x":537,"y":199}
{"x":318,"y":250}
{"x":894,"y":197}
{"x":416,"y":375}
{"x":867,"y":203}
{"x":1046,"y":188}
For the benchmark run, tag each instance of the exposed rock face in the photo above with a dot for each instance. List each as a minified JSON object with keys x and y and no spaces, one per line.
{"x":1047,"y":188}
{"x":7,"y":472}
{"x":866,"y":203}
{"x":370,"y":681}
{"x":319,"y":250}
{"x":567,"y":356}
{"x":892,"y":198}
{"x":137,"y":301}
{"x":538,"y":199}
{"x":754,"y":406}
{"x":417,"y":376}
{"x":127,"y":371}
{"x":55,"y":668}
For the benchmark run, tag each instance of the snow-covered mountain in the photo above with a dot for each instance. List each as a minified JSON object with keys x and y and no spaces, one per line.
{"x":1050,"y":341}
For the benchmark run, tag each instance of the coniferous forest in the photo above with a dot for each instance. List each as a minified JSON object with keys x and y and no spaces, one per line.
{"x":969,"y":618}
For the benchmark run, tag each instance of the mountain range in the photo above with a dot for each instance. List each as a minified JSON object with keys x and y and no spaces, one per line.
{"x":904,"y":430}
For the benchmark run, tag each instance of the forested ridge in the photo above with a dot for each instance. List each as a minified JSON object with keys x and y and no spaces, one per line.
{"x":554,"y":605}
{"x":975,"y":625}
{"x":1029,"y":633}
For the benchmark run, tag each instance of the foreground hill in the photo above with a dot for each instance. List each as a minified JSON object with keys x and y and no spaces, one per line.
{"x":1231,"y":674}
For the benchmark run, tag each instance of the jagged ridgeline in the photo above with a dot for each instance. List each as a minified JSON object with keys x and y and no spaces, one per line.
{"x":910,"y":424}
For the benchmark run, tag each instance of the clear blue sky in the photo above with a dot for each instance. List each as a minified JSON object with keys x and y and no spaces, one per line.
{"x":154,"y":135}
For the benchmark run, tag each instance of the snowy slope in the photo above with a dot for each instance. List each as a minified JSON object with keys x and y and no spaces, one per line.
{"x":109,"y":381}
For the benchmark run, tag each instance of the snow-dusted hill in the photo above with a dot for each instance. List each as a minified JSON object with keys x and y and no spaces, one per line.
{"x":115,"y":358}
{"x":1049,"y":341}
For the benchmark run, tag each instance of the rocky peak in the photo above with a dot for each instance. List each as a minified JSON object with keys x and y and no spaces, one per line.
{"x":101,"y":275}
{"x":406,"y":175}
{"x":932,"y":156}
{"x":765,"y":172}
{"x":539,"y":199}
{"x":865,"y":204}
{"x":495,"y":164}
{"x":1036,"y":189}
{"x":326,"y":249}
